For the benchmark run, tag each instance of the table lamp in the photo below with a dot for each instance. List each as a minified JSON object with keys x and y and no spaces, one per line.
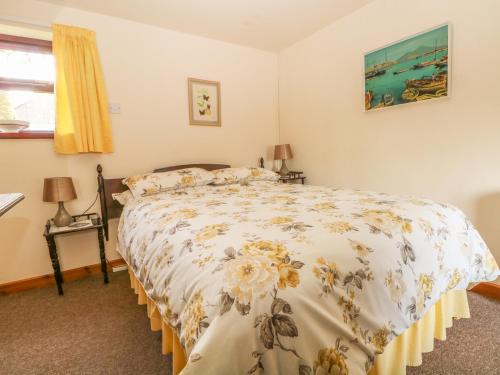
{"x":60,"y":190}
{"x":283,"y":152}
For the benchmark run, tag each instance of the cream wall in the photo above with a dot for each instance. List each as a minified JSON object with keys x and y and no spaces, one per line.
{"x":447,"y":150}
{"x":146,"y":70}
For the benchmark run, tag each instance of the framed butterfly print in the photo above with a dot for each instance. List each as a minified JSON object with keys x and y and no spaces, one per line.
{"x":204,"y":102}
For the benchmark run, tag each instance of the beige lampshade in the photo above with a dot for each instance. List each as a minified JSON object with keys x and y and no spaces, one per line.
{"x":282,"y":152}
{"x":58,"y":189}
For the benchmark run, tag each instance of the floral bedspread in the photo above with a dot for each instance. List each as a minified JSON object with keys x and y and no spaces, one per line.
{"x":292,"y":279}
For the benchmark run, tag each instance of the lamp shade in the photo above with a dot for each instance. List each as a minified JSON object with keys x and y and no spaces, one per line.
{"x":58,"y":189}
{"x":282,"y":152}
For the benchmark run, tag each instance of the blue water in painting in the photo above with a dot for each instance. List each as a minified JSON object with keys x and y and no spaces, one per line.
{"x":395,"y":84}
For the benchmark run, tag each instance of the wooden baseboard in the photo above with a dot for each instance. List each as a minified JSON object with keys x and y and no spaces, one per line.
{"x":488,"y":289}
{"x":46,"y":280}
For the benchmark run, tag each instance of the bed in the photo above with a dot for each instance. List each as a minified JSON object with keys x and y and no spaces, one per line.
{"x":263,"y":277}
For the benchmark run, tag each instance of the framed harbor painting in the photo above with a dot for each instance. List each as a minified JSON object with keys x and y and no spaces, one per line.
{"x":204,"y":102}
{"x":412,"y":70}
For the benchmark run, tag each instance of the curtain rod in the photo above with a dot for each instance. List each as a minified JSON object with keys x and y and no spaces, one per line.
{"x":17,"y":21}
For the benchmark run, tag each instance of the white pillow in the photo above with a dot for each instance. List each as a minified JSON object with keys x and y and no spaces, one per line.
{"x":261,"y":174}
{"x":230,"y":175}
{"x":124,"y":197}
{"x":154,"y":183}
{"x":242,"y":174}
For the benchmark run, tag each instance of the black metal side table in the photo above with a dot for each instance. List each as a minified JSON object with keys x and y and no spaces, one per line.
{"x":81,"y":223}
{"x":293,"y":176}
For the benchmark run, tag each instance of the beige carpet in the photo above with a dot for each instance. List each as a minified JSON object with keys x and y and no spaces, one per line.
{"x":100,"y":329}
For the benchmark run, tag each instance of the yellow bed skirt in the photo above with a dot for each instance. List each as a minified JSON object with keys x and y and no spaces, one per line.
{"x":404,"y":350}
{"x":170,"y":341}
{"x":407,"y":348}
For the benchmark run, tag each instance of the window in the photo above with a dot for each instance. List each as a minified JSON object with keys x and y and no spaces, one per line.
{"x":27,"y":85}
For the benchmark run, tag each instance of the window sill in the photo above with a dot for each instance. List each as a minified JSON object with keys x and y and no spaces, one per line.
{"x":28,"y":135}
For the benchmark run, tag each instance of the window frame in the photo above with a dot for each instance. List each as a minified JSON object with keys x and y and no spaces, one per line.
{"x":19,"y":43}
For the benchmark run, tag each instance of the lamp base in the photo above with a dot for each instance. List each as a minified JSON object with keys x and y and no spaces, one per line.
{"x":62,"y":218}
{"x":284,"y":169}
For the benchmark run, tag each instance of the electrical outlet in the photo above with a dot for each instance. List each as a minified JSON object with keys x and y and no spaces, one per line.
{"x":114,"y":108}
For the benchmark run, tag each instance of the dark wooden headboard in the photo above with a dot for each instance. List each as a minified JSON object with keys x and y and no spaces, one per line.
{"x":111,"y":209}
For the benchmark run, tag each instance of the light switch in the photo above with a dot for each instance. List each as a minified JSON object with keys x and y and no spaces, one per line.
{"x":114,"y":108}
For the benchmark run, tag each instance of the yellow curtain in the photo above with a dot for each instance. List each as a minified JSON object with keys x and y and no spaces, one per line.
{"x":82,"y":119}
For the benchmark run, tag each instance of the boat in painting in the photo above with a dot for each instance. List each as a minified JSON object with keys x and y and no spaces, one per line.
{"x":388,"y":100}
{"x":424,"y":64}
{"x":426,"y":88}
{"x":428,"y":84}
{"x":400,"y":71}
{"x":378,"y":69}
{"x":374,"y":73}
{"x":434,"y":61}
{"x":368,"y":99}
{"x":443,"y":63}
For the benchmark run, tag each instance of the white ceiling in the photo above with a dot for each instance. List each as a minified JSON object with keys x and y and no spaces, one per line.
{"x":265,"y":24}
